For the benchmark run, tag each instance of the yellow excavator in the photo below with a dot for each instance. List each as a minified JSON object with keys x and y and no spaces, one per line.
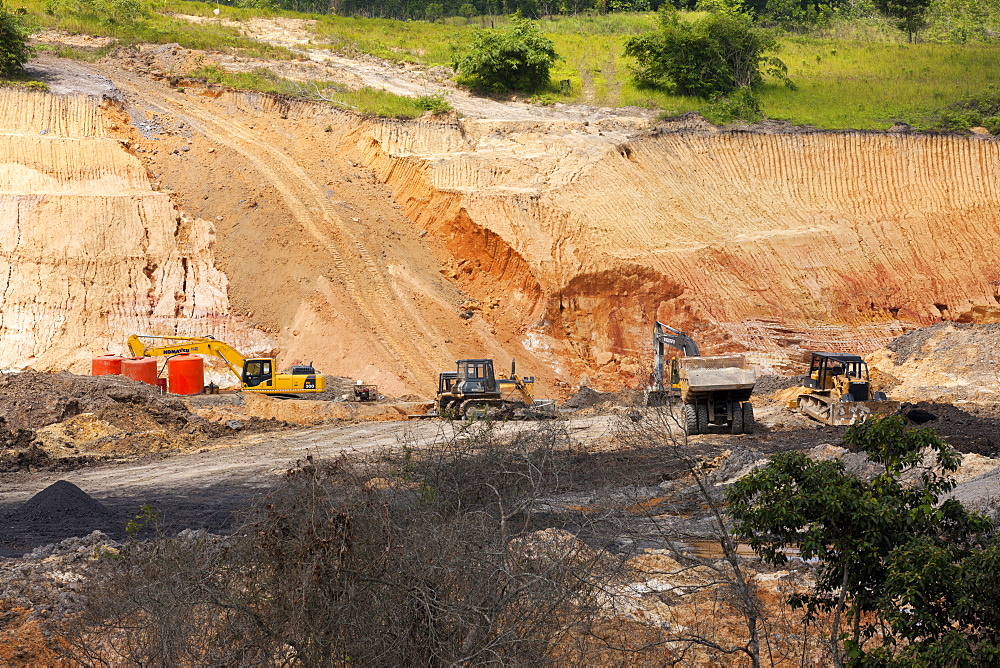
{"x":256,"y":374}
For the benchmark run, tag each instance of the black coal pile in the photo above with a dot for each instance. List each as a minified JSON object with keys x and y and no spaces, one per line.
{"x":63,"y":502}
{"x":972,"y":428}
{"x":585,"y":397}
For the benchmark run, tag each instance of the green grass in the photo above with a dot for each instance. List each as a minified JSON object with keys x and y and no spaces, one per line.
{"x":158,"y":28}
{"x":367,"y":101}
{"x":870,"y":85}
{"x":853,"y":74}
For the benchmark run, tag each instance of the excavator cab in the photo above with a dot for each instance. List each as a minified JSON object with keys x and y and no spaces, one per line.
{"x":258,"y":373}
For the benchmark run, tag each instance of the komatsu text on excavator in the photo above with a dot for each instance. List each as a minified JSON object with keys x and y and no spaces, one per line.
{"x":256,"y":374}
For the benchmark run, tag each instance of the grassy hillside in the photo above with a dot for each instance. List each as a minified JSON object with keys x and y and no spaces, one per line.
{"x":859,"y":76}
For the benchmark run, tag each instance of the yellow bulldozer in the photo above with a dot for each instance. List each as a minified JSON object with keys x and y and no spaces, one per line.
{"x":256,"y":374}
{"x":838,"y":391}
{"x":475,"y":391}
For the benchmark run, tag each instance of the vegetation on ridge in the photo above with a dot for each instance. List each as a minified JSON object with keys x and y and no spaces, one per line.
{"x":852,"y":67}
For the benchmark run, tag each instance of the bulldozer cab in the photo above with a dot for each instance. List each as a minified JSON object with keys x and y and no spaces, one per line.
{"x":475,"y":377}
{"x":840,"y":373}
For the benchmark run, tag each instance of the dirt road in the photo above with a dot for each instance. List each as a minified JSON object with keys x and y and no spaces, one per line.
{"x":204,"y":489}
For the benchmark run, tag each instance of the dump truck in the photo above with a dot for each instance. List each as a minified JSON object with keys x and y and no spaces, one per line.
{"x":713,"y":390}
{"x":256,"y":374}
{"x":838,"y":391}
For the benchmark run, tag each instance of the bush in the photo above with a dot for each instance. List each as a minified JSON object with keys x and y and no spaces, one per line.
{"x":420,"y":559}
{"x":502,"y":60}
{"x":436,"y":103}
{"x":717,"y":54}
{"x":899,"y":558}
{"x":979,"y":110}
{"x":742,"y":104}
{"x":14,"y":49}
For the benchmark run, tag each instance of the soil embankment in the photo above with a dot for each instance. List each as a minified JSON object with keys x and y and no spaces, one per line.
{"x":384,"y":250}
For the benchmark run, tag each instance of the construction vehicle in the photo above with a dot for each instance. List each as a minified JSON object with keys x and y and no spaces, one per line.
{"x":712,"y":389}
{"x":364,"y":392}
{"x":838,"y":391}
{"x":256,"y":374}
{"x":473,"y":390}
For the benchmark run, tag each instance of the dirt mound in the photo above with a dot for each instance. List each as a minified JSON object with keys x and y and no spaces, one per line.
{"x":945,"y":362}
{"x":63,"y":501}
{"x":970,"y":429}
{"x":31,"y":399}
{"x":769,"y":384}
{"x":77,"y":418}
{"x":586,"y":397}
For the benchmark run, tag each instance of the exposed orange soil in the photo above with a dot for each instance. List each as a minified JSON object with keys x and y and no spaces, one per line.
{"x":385,"y":250}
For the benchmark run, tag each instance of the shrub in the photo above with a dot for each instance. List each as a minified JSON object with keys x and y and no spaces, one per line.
{"x":516,"y":58}
{"x":420,"y":559}
{"x":898,"y":557}
{"x":742,"y":104}
{"x":436,"y":103}
{"x":14,"y":49}
{"x":717,"y":54}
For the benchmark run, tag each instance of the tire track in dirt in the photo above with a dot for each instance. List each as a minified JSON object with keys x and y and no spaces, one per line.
{"x":304,"y":198}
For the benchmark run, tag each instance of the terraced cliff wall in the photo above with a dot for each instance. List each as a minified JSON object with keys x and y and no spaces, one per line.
{"x":771,"y":242}
{"x":89,"y":252}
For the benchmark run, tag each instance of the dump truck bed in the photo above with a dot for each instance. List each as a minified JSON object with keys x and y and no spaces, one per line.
{"x":716,"y":373}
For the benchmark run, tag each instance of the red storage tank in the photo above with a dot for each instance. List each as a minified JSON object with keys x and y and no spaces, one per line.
{"x":140,"y":368}
{"x":106,"y":365}
{"x":185,"y":374}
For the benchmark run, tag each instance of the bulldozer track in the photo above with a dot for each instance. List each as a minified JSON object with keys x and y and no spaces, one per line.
{"x":308,"y":204}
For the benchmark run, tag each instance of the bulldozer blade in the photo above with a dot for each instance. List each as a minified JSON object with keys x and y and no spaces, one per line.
{"x":844,"y":413}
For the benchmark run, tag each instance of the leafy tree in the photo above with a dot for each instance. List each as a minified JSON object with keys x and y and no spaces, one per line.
{"x":434,"y":11}
{"x":14,"y":49}
{"x":717,"y":54}
{"x":516,"y":58}
{"x":883,"y":544}
{"x":910,"y":15}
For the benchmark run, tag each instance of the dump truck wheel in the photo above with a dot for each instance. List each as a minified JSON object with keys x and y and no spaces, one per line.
{"x":702,"y":418}
{"x":736,"y":426}
{"x":690,"y":419}
{"x":748,"y":422}
{"x":879,"y":396}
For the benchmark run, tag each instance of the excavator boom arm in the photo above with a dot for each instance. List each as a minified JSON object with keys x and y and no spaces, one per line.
{"x":665,"y":335}
{"x":200,"y":345}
